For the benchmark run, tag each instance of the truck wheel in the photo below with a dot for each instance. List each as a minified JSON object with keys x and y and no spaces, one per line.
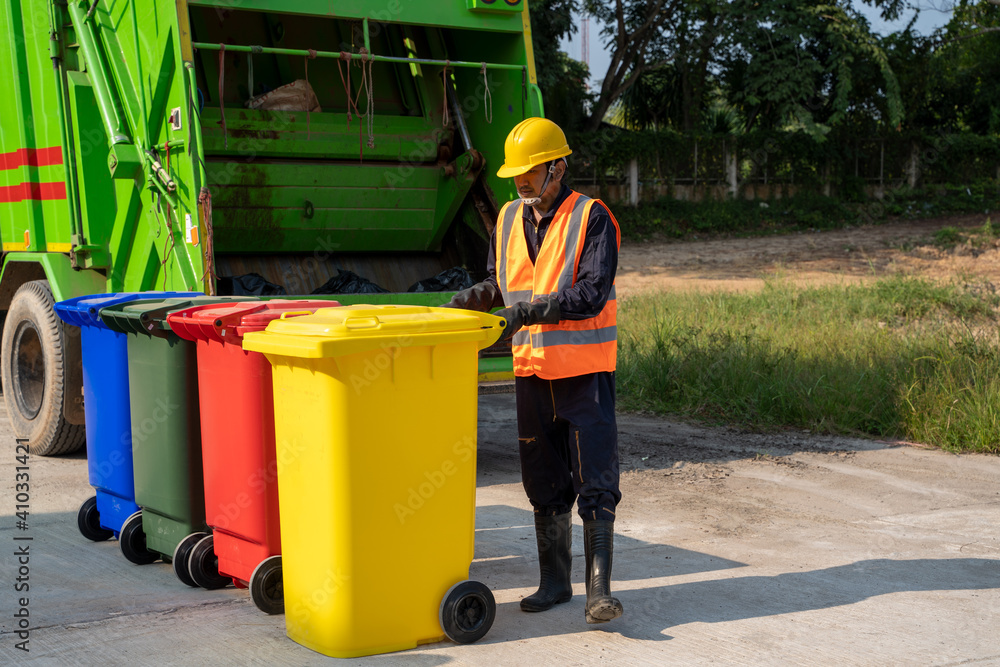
{"x":33,"y":370}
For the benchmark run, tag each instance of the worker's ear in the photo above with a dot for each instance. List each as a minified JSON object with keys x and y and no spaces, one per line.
{"x":560,"y":171}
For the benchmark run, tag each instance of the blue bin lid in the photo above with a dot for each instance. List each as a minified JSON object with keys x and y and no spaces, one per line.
{"x":83,"y":311}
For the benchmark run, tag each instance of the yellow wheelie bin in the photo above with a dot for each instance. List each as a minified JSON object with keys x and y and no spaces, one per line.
{"x":375,"y":430}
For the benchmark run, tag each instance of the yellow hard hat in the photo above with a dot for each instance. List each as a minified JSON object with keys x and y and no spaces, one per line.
{"x":532,"y":141}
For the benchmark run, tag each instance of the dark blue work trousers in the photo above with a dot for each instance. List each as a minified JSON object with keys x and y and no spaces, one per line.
{"x":569,"y":444}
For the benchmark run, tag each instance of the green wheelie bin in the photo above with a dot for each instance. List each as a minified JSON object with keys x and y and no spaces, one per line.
{"x":166,"y":435}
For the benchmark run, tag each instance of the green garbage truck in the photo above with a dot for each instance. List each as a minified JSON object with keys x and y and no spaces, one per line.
{"x":187,"y":144}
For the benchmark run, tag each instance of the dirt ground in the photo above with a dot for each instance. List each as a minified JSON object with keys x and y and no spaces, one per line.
{"x":814,"y":258}
{"x":704,"y":459}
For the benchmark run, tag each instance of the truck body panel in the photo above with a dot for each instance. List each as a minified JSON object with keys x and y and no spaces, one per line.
{"x":103,"y":102}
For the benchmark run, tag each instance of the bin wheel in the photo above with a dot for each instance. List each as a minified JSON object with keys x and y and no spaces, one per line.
{"x":89,"y":522}
{"x":203,"y":565}
{"x":132,"y":541}
{"x":267,"y":589}
{"x":467,"y":612}
{"x":182,"y":555}
{"x":38,"y":360}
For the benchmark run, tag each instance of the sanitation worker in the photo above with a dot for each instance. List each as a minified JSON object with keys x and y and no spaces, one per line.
{"x":552,"y":264}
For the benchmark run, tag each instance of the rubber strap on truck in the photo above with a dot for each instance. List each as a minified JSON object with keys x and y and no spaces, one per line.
{"x":222,"y":104}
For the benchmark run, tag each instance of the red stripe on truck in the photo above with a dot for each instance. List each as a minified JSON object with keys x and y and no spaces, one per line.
{"x":35,"y":191}
{"x":31,"y":157}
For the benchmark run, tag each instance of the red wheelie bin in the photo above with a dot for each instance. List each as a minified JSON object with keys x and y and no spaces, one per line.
{"x":237,"y":434}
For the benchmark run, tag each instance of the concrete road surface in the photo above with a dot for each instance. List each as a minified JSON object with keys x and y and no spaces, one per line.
{"x":732,"y":549}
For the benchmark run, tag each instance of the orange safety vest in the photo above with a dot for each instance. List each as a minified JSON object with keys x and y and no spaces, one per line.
{"x":572,"y":347}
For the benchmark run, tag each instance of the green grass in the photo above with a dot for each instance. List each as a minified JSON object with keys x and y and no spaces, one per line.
{"x":983,"y":237}
{"x":947,"y":237}
{"x":900,"y":358}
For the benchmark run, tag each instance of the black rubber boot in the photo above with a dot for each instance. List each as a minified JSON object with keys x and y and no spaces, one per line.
{"x":599,"y":547}
{"x":555,"y":541}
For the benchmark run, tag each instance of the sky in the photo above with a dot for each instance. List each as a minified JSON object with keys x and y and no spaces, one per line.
{"x":928,"y":21}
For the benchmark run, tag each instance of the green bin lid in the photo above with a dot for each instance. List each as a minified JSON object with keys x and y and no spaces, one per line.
{"x":333,"y":332}
{"x":149,"y":316}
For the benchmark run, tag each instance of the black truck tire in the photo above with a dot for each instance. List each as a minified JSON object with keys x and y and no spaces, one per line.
{"x":33,"y":367}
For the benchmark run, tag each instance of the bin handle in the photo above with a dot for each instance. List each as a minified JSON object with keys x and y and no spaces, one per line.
{"x":296,"y":313}
{"x":362,"y":322}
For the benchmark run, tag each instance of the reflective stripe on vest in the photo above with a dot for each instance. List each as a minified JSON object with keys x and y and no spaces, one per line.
{"x":572,"y":347}
{"x":510,"y":213}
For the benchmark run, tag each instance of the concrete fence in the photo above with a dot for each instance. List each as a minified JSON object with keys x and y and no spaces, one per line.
{"x":719,"y":169}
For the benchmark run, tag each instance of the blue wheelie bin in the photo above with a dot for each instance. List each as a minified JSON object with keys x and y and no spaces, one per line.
{"x":106,"y":409}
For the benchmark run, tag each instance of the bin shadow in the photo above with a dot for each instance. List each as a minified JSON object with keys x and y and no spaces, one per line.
{"x":651,"y":611}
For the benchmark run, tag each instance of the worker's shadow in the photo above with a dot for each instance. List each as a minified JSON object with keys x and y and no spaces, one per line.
{"x":506,"y":559}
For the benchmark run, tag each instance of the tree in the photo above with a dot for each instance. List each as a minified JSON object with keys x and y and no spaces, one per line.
{"x":674,"y":89}
{"x":972,"y":12}
{"x":700,"y":33}
{"x":653,"y":102}
{"x":950,"y":81}
{"x":964,"y":71}
{"x":783,"y":60}
{"x":551,"y":20}
{"x":797,"y":64}
{"x":633,"y":29}
{"x":562,"y":79}
{"x":911,"y":57}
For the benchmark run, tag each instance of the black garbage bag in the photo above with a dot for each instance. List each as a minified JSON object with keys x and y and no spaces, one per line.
{"x":347,"y":282}
{"x":250,"y":284}
{"x":452,"y":280}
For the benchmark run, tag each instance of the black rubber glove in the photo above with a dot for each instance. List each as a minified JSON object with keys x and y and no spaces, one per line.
{"x":479,"y":297}
{"x":543,"y":310}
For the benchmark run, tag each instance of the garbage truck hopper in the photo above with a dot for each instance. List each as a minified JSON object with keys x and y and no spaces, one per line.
{"x":188,"y":144}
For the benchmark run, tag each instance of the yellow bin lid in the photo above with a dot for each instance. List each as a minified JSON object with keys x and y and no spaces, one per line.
{"x":335,"y":332}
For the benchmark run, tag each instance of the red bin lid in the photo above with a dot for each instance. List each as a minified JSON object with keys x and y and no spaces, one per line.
{"x":230,"y":321}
